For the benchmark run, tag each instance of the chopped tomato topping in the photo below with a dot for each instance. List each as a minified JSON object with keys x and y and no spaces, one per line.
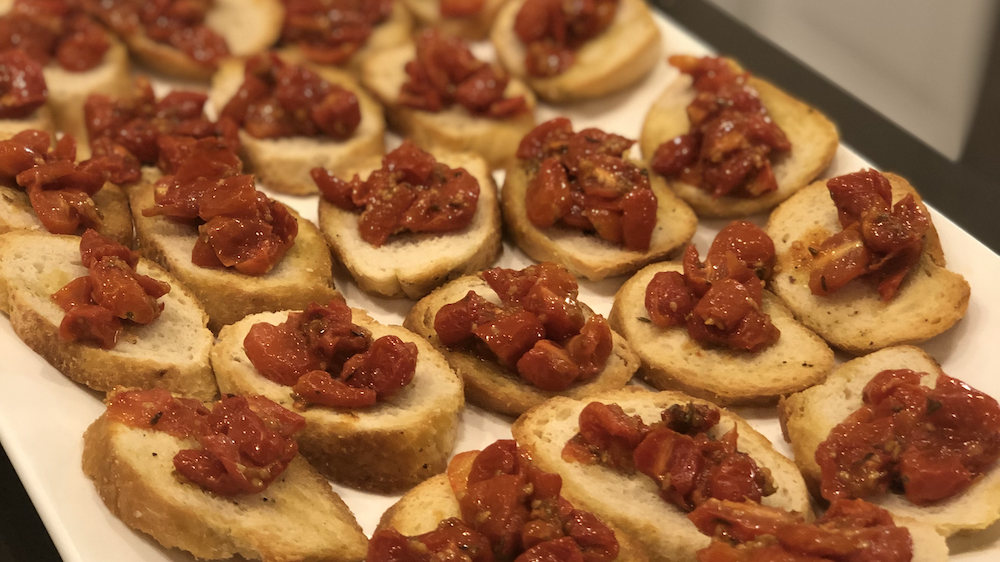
{"x":22,"y":85}
{"x":410,"y":192}
{"x":332,"y":31}
{"x":54,"y":29}
{"x":728,"y":149}
{"x":446,"y":72}
{"x":553,"y":30}
{"x":931,"y":443}
{"x":581,"y":180}
{"x":460,"y":8}
{"x":879,"y":239}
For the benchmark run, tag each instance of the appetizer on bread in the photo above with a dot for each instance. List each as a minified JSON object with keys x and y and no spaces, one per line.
{"x":892,"y":428}
{"x":585,"y":50}
{"x":563,"y":436}
{"x":468,"y":19}
{"x":437,"y":94}
{"x":342,"y":33}
{"x":573,"y":199}
{"x":189,"y":40}
{"x":78,"y":57}
{"x":294,"y":118}
{"x":89,"y":307}
{"x":43,"y":188}
{"x":441,"y":221}
{"x":495,"y":504}
{"x":237,"y":250}
{"x":217,"y":480}
{"x":381,"y":405}
{"x":23,"y":108}
{"x":731,"y":144}
{"x":711,"y":330}
{"x":518,"y":338}
{"x":859,"y":263}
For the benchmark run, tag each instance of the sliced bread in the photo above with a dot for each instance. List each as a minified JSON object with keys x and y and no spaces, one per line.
{"x":453,"y":128}
{"x":671,"y":360}
{"x":283,"y":164}
{"x":389,"y":447}
{"x":586,"y":254}
{"x":632,"y":502}
{"x":476,"y":27}
{"x":298,"y":517}
{"x":413,"y":264}
{"x":487,"y":383}
{"x":812,"y":136}
{"x":809,"y":416}
{"x":171,"y":352}
{"x":614,"y":60}
{"x":930,"y":299}
{"x":16,"y":212}
{"x":302,"y":276}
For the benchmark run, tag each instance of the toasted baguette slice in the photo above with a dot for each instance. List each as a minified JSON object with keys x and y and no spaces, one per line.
{"x":813,"y":137}
{"x":304,"y":274}
{"x":428,"y":14}
{"x":171,"y":353}
{"x":454,"y":128}
{"x":614,"y":60}
{"x":387,"y":448}
{"x":930,"y":300}
{"x":41,"y":119}
{"x":283,"y":164}
{"x":491,"y":386}
{"x":16,"y":212}
{"x":298,"y":517}
{"x":809,"y":416}
{"x":586,"y":254}
{"x":411,"y":264}
{"x":248,"y":27}
{"x":632,"y":502}
{"x":672,"y":360}
{"x":421,"y":509}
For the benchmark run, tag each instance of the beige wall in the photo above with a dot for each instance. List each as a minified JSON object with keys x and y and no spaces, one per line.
{"x":918,"y":62}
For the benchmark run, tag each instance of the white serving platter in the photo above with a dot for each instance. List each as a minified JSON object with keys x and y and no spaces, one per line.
{"x":43,"y":414}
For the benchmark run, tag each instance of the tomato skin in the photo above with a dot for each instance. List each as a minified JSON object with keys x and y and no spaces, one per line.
{"x":511,"y":335}
{"x":668,"y":300}
{"x":548,"y":195}
{"x":279,"y":353}
{"x":639,"y":216}
{"x":454,"y":323}
{"x":548,"y":367}
{"x":319,"y":387}
{"x":552,"y":31}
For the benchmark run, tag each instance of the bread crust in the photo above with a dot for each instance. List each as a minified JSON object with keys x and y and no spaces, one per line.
{"x":387,"y":448}
{"x":614,"y":60}
{"x":180,"y":365}
{"x":112,"y":204}
{"x":632,"y":502}
{"x":930,"y":299}
{"x":813,"y":137}
{"x":298,"y":517}
{"x":808,"y":417}
{"x":453,"y":128}
{"x":586,"y":254}
{"x":302,"y":276}
{"x":493,"y":387}
{"x":428,"y":14}
{"x":410,"y":264}
{"x":283,"y":164}
{"x":248,"y":26}
{"x":671,"y":360}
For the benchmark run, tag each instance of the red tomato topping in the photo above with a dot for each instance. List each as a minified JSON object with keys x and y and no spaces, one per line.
{"x":328,"y":360}
{"x":446,"y":72}
{"x":332,"y":31}
{"x":552,"y":30}
{"x":460,"y":8}
{"x":582,"y":181}
{"x":720,"y":300}
{"x":411,"y":192}
{"x":689,"y":466}
{"x":732,"y":136}
{"x":178,"y":23}
{"x":134,"y":127}
{"x":879,"y":238}
{"x":930,"y":443}
{"x":22,"y":85}
{"x":54,"y":29}
{"x":112,"y":291}
{"x":850,"y":531}
{"x":510,"y":511}
{"x":539,"y":331}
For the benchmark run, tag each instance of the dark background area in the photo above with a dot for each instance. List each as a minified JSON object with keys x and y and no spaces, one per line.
{"x":964,"y":191}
